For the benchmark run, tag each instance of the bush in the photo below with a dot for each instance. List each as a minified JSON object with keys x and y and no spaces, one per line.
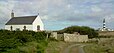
{"x":14,"y":39}
{"x":83,"y":30}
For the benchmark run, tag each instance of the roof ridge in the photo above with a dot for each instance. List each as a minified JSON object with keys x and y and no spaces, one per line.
{"x":21,"y":20}
{"x":27,"y":16}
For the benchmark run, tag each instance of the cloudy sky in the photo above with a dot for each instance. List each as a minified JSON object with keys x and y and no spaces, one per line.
{"x":58,"y":14}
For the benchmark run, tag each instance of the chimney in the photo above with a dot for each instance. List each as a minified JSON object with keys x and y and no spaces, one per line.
{"x":38,"y":13}
{"x":12,"y":14}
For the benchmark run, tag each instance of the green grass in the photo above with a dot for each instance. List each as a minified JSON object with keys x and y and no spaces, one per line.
{"x":56,"y":47}
{"x":29,"y":47}
{"x":102,"y":47}
{"x":93,"y":49}
{"x":22,"y":41}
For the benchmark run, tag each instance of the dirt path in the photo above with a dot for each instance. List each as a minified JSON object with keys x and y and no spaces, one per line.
{"x":63,"y":47}
{"x":78,"y":46}
{"x":81,"y":49}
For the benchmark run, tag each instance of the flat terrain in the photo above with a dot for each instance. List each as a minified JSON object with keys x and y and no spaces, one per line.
{"x":63,"y":47}
{"x":106,"y":46}
{"x":56,"y":47}
{"x":103,"y":46}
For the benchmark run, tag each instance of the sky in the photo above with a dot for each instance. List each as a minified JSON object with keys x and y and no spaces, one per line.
{"x":59,"y":14}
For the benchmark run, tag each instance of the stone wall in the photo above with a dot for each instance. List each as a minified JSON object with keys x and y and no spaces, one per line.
{"x":76,"y":37}
{"x":54,"y":35}
{"x":106,"y":33}
{"x":60,"y":37}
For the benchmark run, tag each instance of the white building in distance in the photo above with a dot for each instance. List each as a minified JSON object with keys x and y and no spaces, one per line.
{"x":104,"y":28}
{"x":33,"y":23}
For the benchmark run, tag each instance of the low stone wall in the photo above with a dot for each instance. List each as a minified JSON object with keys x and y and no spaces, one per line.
{"x":105,"y":39}
{"x":76,"y":37}
{"x":106,"y":33}
{"x":60,"y":37}
{"x":54,"y":35}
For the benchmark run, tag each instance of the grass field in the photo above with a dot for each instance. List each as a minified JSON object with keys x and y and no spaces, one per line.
{"x":106,"y":46}
{"x":58,"y":47}
{"x":101,"y":47}
{"x":74,"y":49}
{"x":55,"y":47}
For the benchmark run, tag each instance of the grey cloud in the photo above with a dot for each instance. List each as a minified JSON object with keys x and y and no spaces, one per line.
{"x":59,"y":10}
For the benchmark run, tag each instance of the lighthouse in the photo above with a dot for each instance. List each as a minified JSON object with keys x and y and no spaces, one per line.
{"x":104,"y":28}
{"x":104,"y":24}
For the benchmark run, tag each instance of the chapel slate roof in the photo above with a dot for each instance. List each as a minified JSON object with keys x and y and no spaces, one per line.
{"x":21,"y":20}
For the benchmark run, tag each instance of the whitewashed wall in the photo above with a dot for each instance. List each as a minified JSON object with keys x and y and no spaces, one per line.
{"x":21,"y":27}
{"x":32,"y":27}
{"x":37,"y":22}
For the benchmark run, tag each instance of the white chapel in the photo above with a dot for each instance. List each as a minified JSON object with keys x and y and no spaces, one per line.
{"x":33,"y":23}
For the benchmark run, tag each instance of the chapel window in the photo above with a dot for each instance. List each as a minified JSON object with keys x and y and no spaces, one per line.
{"x":11,"y":28}
{"x":24,"y":27}
{"x":38,"y":27}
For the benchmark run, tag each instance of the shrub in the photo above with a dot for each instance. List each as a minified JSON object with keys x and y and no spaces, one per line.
{"x":83,"y":30}
{"x":14,"y":39}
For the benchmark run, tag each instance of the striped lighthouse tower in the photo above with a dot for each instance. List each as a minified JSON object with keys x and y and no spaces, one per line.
{"x":104,"y":28}
{"x":104,"y":24}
